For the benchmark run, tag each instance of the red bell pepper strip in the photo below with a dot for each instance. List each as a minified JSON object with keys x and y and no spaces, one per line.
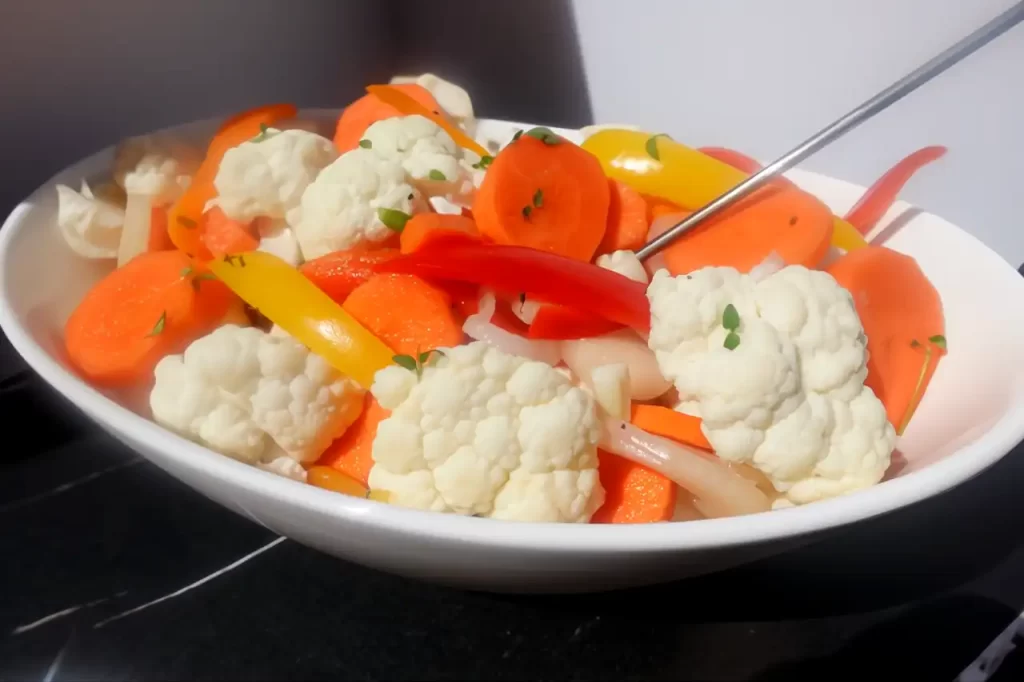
{"x":881,"y":195}
{"x":739,"y":161}
{"x":736,"y":159}
{"x":559,"y":323}
{"x":545,"y":277}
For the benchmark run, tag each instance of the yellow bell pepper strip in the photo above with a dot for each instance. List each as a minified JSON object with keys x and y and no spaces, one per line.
{"x":185,"y":217}
{"x":659,"y":166}
{"x":287,"y":298}
{"x":407,"y":106}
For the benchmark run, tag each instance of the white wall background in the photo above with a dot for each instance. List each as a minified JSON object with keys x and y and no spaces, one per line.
{"x":761,"y":76}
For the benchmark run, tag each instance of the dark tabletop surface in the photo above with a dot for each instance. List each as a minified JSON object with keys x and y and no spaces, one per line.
{"x":89,"y":533}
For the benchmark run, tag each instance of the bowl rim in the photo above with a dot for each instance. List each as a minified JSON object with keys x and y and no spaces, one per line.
{"x":179,"y":453}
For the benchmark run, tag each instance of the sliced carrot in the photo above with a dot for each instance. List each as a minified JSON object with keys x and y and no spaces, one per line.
{"x":184,"y":218}
{"x":352,"y":454}
{"x":632,"y":493}
{"x":159,"y":240}
{"x":224,"y":236}
{"x":902,"y":316}
{"x":663,"y":421}
{"x":431,"y":229}
{"x":154,"y":305}
{"x":627,"y":219}
{"x":369,"y":109}
{"x":405,"y":312}
{"x":337,"y":274}
{"x":548,"y":196}
{"x":779,"y":219}
{"x":656,"y":207}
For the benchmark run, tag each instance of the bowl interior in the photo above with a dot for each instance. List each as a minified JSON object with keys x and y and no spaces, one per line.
{"x":971,"y":416}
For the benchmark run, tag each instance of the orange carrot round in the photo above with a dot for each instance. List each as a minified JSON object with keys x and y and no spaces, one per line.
{"x":662,"y":421}
{"x":405,"y":312}
{"x":352,"y":454}
{"x":546,"y":194}
{"x":627,"y":219}
{"x":633,"y":493}
{"x":432,"y":229}
{"x":184,"y":218}
{"x":902,"y":316}
{"x":224,"y":236}
{"x":779,"y":219}
{"x":337,"y":274}
{"x":369,"y":109}
{"x":154,"y":305}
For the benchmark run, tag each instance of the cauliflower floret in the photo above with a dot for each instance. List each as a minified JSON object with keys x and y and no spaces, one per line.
{"x":254,"y":396}
{"x":790,"y":397}
{"x":340,"y":208}
{"x":277,"y":238}
{"x":427,"y":153}
{"x":157,"y":166}
{"x":266,"y":176}
{"x":490,"y":434}
{"x":453,"y":99}
{"x":90,"y":226}
{"x":625,"y":263}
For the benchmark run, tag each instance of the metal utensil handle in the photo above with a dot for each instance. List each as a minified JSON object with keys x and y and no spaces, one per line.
{"x":891,"y":94}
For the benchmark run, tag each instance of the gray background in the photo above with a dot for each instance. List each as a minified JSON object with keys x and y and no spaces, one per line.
{"x":77,"y":75}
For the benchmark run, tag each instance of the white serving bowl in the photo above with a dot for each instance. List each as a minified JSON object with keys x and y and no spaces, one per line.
{"x":973,"y":414}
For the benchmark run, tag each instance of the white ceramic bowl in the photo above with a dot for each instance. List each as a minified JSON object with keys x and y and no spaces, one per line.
{"x":972,"y":415}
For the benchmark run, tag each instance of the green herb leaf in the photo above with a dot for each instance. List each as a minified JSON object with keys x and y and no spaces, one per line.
{"x":186,"y":271}
{"x":264,"y":129}
{"x":545,"y":135}
{"x":158,"y":328}
{"x":519,"y":133}
{"x":527,"y":210}
{"x":435,"y":174}
{"x":485,"y":161}
{"x":914,"y":343}
{"x":393,"y":219}
{"x":939,"y":340}
{"x":186,"y":222}
{"x":538,"y":198}
{"x":366,"y":144}
{"x":732,"y":340}
{"x":202,"y":277}
{"x":230,"y":260}
{"x":731,"y":318}
{"x":652,"y":146}
{"x":426,"y":356}
{"x":406,"y":361}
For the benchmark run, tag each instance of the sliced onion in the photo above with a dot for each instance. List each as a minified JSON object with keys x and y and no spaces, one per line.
{"x":717,"y":489}
{"x":658,"y":227}
{"x":478,"y":326}
{"x":645,"y":379}
{"x":768,"y":267}
{"x":135,"y":234}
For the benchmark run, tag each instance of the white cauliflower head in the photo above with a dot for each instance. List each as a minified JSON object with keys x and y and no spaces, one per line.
{"x":90,"y":226}
{"x":341,"y":208}
{"x":428,"y":154}
{"x":789,"y":398}
{"x":454,"y":99}
{"x":277,"y":238}
{"x":157,"y":166}
{"x":266,"y":176}
{"x":489,"y":434}
{"x":625,"y":263}
{"x":254,"y":396}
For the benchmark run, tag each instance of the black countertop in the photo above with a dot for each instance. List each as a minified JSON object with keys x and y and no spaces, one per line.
{"x":89,"y":533}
